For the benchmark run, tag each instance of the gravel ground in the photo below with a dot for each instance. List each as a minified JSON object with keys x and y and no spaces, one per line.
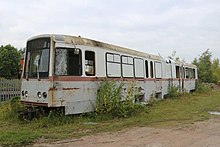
{"x":199,"y":134}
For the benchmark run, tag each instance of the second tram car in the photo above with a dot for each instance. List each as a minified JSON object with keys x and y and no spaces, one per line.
{"x":63,"y":71}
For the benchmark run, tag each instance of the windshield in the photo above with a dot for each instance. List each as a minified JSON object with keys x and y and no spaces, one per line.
{"x":37,"y":58}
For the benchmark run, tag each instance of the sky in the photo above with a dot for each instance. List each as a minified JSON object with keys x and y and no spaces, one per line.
{"x":160,"y":27}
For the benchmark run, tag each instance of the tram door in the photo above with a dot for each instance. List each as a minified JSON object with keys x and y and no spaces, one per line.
{"x":158,"y":81}
{"x":180,"y":77}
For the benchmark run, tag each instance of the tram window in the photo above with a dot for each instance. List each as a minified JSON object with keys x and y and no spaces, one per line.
{"x":113,"y":65}
{"x":74,"y":62}
{"x":177,"y":72}
{"x":89,"y":63}
{"x":151,"y":69}
{"x":146,"y":69}
{"x":183,"y":72}
{"x":139,"y":68}
{"x":127,"y":67}
{"x":68,"y":62}
{"x":158,"y":69}
{"x":187,"y":72}
{"x":191,"y":73}
{"x":194,"y":73}
{"x":37,"y":58}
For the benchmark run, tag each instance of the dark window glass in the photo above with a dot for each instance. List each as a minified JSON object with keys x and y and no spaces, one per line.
{"x":194,"y":74}
{"x":90,"y":63}
{"x":151,"y":69}
{"x":146,"y":69}
{"x":177,"y":72}
{"x":187,"y":72}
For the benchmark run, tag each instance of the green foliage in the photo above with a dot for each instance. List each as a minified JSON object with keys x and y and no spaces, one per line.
{"x":9,"y":61}
{"x":208,"y":70}
{"x":203,"y":87}
{"x":10,"y":109}
{"x":204,"y":66}
{"x":112,"y":99}
{"x":215,"y":69}
{"x":173,"y":92}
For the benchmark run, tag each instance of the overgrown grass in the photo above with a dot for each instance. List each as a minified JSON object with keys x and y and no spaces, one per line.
{"x":186,"y":109}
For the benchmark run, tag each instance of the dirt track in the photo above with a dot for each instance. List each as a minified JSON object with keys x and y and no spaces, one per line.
{"x":200,"y":134}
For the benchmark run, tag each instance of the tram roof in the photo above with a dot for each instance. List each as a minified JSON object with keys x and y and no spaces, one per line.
{"x":68,"y":39}
{"x":90,"y":42}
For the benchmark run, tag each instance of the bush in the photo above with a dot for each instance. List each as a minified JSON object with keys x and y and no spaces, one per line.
{"x":9,"y":109}
{"x":116,"y":101}
{"x":173,"y":92}
{"x":203,"y":87}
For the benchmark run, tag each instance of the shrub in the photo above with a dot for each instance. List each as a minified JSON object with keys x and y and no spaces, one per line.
{"x":116,"y":101}
{"x":203,"y":87}
{"x":173,"y":92}
{"x":9,"y":109}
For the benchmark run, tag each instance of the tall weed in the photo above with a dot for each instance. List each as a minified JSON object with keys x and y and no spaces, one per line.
{"x":9,"y":110}
{"x":173,"y":92}
{"x":115,"y":101}
{"x":203,"y":87}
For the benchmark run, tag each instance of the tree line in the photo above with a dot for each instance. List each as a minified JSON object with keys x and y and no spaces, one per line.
{"x":208,"y":68}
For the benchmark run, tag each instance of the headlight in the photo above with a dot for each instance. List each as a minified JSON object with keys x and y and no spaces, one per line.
{"x":44,"y":95}
{"x":39,"y":95}
{"x":26,"y":94}
{"x":22,"y":93}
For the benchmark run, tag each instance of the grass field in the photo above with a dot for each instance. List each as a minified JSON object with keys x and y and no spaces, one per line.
{"x":165,"y":113}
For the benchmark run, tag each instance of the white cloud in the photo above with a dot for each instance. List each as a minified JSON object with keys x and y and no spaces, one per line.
{"x":158,"y":26}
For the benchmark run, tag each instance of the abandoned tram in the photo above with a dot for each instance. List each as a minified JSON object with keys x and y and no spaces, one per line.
{"x":64,"y":71}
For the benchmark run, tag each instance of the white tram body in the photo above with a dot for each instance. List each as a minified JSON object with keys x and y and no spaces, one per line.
{"x":64,"y":71}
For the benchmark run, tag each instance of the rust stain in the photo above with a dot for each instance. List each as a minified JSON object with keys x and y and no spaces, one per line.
{"x":52,"y":88}
{"x":70,"y":88}
{"x":62,"y":101}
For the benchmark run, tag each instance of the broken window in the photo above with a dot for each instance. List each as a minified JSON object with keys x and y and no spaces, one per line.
{"x":89,"y":63}
{"x":68,"y":62}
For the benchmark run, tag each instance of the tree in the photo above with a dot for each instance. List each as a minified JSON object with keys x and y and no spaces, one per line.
{"x":215,"y":68}
{"x":9,"y":61}
{"x":208,"y":70}
{"x":204,"y":66}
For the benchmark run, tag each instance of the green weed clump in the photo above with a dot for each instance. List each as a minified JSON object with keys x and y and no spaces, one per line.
{"x":203,"y":87}
{"x":116,"y":101}
{"x":173,"y":92}
{"x":9,"y":110}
